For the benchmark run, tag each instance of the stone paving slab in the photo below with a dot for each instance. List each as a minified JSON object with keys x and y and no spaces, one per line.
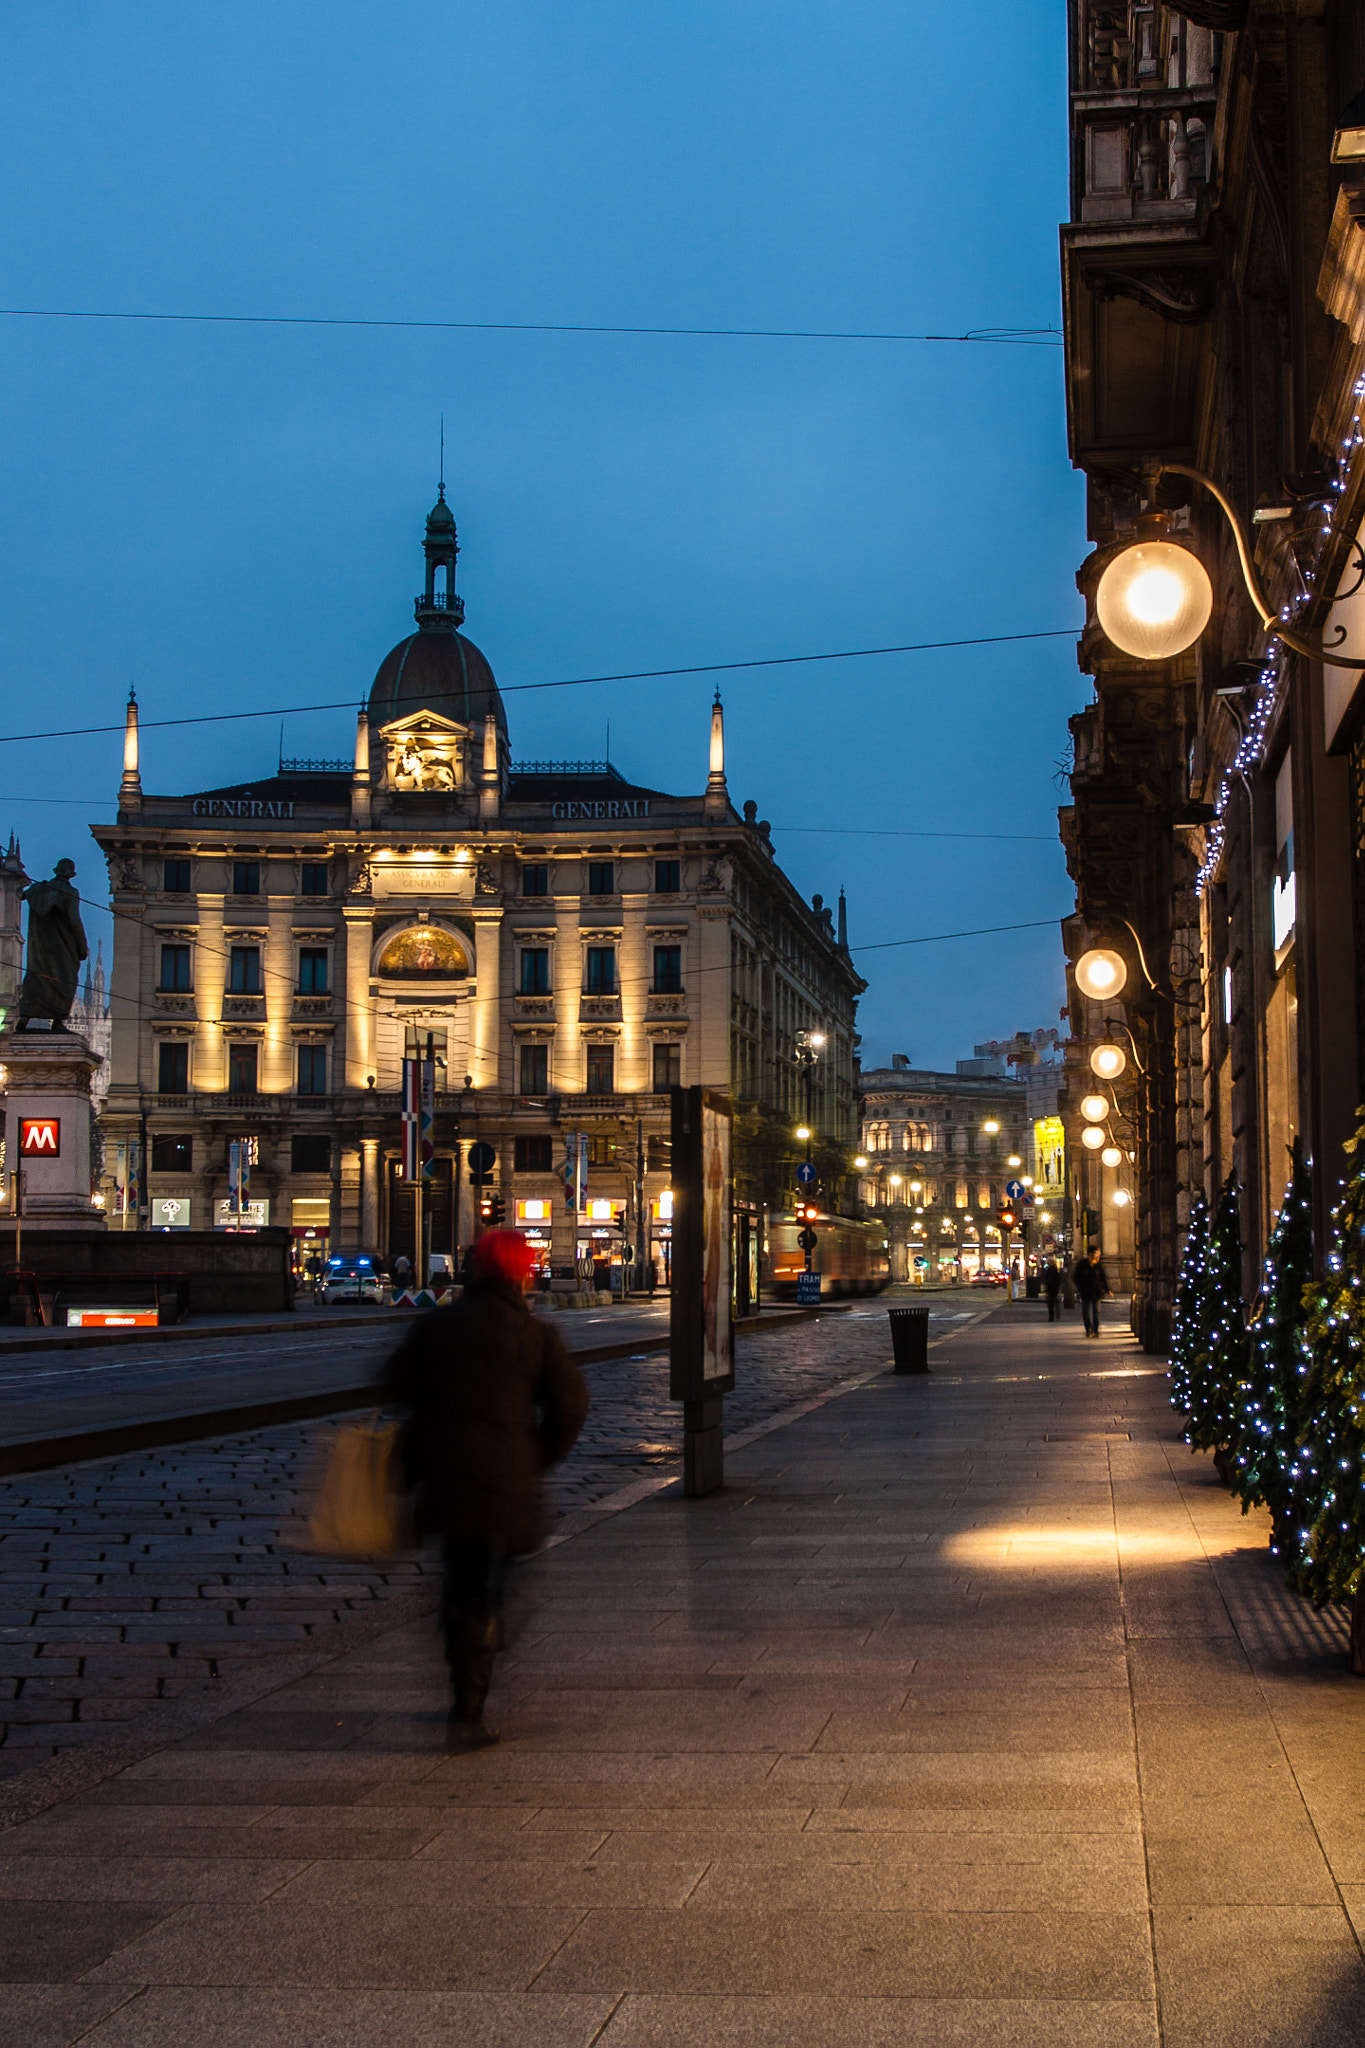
{"x":134,"y":1581}
{"x":985,"y":1809}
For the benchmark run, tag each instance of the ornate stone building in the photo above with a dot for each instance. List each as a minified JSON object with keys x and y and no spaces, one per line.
{"x":1214,"y":304}
{"x":569,"y":944}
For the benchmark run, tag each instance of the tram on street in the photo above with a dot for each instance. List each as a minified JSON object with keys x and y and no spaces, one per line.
{"x":851,"y":1257}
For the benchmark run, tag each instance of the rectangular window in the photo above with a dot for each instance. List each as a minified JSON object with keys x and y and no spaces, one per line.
{"x":601,"y":877}
{"x":312,"y":1070}
{"x":535,"y":971}
{"x":246,"y":878}
{"x":667,"y":971}
{"x":534,"y":1155}
{"x":667,"y":877}
{"x":601,"y":1152}
{"x":241,"y":1070}
{"x":601,"y":973}
{"x":415,"y":1048}
{"x":659,"y":1155}
{"x":314,"y":878}
{"x":310,"y":1154}
{"x":175,"y":969}
{"x":244,"y":971}
{"x":312,"y":970}
{"x":172,"y":1067}
{"x":667,"y":1068}
{"x":601,"y":1070}
{"x":172,"y":1155}
{"x":535,"y":1070}
{"x":535,"y":879}
{"x":176,"y":879}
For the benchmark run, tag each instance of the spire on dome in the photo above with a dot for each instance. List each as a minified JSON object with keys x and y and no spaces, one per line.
{"x":438,"y":609}
{"x":843,"y":922}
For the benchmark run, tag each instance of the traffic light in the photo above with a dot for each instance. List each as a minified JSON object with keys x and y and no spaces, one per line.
{"x":497,"y":1209}
{"x":1008,"y":1219}
{"x":806,"y":1212}
{"x":486,"y":1208}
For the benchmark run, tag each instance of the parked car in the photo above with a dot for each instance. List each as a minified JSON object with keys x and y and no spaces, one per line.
{"x":351,"y":1277}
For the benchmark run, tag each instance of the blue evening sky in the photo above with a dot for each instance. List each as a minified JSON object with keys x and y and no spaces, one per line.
{"x":231,"y":516}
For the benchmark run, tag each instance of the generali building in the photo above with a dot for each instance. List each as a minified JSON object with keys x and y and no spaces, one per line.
{"x":570,"y":946}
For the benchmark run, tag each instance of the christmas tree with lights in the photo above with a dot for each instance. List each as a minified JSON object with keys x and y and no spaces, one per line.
{"x":1325,"y":1509}
{"x":1215,"y":1341}
{"x":1269,"y":1410}
{"x":1187,"y":1326}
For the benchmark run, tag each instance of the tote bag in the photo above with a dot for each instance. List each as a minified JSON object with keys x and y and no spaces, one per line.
{"x":360,"y":1509}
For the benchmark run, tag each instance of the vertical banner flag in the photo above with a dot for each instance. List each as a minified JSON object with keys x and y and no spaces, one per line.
{"x":411,"y":1112}
{"x":239,"y":1175}
{"x":427,"y":1120}
{"x":571,"y":1171}
{"x":582,"y":1173}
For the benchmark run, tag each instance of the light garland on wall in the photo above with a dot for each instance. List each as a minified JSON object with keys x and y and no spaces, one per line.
{"x":1251,"y":751}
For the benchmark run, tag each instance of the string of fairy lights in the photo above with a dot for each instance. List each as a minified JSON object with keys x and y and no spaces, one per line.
{"x":1271,"y":681}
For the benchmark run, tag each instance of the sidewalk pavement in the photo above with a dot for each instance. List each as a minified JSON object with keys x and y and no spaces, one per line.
{"x":971,"y":1712}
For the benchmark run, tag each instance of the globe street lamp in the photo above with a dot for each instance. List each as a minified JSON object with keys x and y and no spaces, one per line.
{"x":1101,"y":973}
{"x":1154,"y":597}
{"x":1108,"y":1061}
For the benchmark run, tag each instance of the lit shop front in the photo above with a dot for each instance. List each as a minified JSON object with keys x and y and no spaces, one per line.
{"x":601,"y":1236}
{"x":661,"y":1235}
{"x":535,"y":1217}
{"x":310,"y":1229}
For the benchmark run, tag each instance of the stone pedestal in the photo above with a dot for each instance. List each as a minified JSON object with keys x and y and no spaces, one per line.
{"x":47,"y":1126}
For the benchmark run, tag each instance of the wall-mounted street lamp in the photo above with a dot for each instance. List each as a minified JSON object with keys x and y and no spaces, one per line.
{"x":1108,"y":1061}
{"x":1094,"y":1108}
{"x":990,"y":1126}
{"x":802,"y":1132}
{"x":1101,"y":973}
{"x":1121,"y":1198}
{"x":1111,"y":1156}
{"x":1154,"y":598}
{"x":860,"y":1162}
{"x":1092,"y":1137}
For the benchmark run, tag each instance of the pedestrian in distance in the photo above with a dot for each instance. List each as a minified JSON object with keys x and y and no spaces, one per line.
{"x":493,"y":1401}
{"x":1092,"y":1286}
{"x":1052,"y":1287}
{"x":402,"y":1273}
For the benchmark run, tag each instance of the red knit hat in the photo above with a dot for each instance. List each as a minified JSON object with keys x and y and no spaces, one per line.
{"x":502,"y":1255}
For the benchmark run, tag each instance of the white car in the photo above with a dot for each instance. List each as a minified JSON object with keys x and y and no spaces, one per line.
{"x":350,"y":1279}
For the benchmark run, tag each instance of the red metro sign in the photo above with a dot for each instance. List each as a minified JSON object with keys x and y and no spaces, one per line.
{"x":40,"y":1137}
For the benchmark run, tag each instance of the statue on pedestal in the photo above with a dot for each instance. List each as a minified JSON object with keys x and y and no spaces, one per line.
{"x":56,"y":947}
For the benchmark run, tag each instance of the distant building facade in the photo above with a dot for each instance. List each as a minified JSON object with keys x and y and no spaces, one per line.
{"x":569,"y":945}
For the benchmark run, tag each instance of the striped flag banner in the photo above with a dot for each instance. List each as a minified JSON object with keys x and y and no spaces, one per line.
{"x":411,"y":1113}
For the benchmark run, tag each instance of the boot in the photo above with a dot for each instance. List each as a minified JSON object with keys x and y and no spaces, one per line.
{"x":471,"y":1671}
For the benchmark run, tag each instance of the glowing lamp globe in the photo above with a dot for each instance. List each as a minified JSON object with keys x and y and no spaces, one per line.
{"x":1154,"y":600}
{"x":1094,"y":1108}
{"x":1092,"y":1137}
{"x":1108,"y":1061}
{"x":1101,"y":972}
{"x":1121,"y":1198}
{"x":1111,"y":1156}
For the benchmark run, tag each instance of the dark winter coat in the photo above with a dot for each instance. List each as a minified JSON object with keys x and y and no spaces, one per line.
{"x":494,"y":1400}
{"x":1090,"y":1281}
{"x":1052,"y":1282}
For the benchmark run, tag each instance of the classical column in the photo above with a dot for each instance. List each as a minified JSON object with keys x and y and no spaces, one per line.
{"x":359,"y":1020}
{"x":484,"y":1034}
{"x":369,"y":1194}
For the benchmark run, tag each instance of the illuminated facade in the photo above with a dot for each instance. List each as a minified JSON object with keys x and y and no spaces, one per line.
{"x":569,"y":944}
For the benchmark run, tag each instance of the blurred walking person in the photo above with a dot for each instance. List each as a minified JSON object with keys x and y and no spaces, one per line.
{"x":1052,"y":1287}
{"x":1092,"y":1286}
{"x":494,"y":1401}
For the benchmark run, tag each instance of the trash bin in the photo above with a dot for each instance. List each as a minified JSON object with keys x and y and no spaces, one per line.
{"x":910,"y":1338}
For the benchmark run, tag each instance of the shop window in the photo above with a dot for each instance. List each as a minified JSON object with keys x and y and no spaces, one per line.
{"x":659,"y":1155}
{"x":176,"y":877}
{"x":601,"y":973}
{"x":667,"y":1068}
{"x":312,"y":970}
{"x":175,"y":969}
{"x":242,"y":1069}
{"x":534,"y":1076}
{"x":244,"y":970}
{"x":601,"y":877}
{"x":535,"y":971}
{"x":312,"y":1070}
{"x":667,"y":971}
{"x":667,"y":877}
{"x":314,"y":878}
{"x":172,"y":1154}
{"x":172,"y":1067}
{"x":246,"y":878}
{"x":601,"y":1069}
{"x":310,"y":1154}
{"x":534,"y":1154}
{"x":535,"y":879}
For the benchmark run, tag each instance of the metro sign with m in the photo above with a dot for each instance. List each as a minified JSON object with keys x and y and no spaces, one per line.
{"x":40,"y":1137}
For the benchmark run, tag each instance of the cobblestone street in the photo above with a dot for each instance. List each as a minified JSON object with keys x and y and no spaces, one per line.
{"x":131,"y":1580}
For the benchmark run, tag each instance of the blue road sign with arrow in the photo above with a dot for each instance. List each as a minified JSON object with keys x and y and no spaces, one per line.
{"x":805,"y":1173}
{"x":1016,"y":1190}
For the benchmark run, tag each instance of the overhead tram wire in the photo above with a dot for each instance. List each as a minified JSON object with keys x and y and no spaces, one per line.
{"x":639,"y":675}
{"x":1005,"y":337}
